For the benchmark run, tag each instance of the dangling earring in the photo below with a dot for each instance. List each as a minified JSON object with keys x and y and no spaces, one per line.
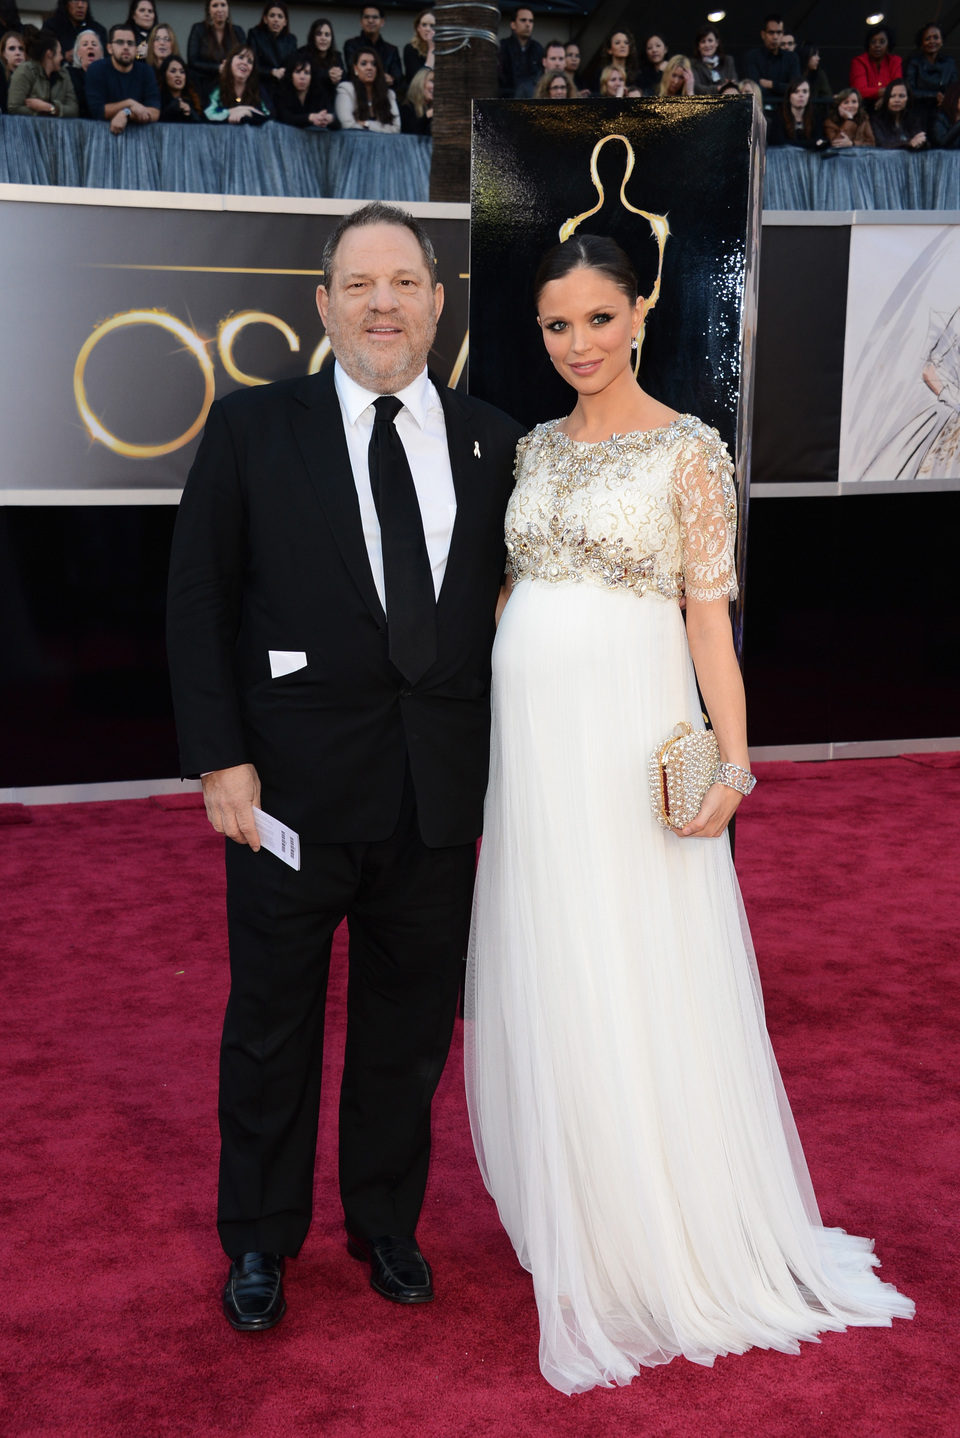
{"x":633,"y":344}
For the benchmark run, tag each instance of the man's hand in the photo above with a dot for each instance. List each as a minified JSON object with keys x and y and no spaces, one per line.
{"x":229,"y":796}
{"x":139,"y":112}
{"x":119,"y":123}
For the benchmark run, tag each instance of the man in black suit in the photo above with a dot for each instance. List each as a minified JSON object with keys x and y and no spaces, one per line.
{"x":371,"y":23}
{"x":334,"y":576}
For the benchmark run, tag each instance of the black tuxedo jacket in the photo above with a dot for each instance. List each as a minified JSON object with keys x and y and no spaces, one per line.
{"x":268,"y":555}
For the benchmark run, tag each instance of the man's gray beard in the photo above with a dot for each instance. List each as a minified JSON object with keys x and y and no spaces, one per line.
{"x":354,"y":362}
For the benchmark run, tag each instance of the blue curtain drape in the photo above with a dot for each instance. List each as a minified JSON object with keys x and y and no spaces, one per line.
{"x":354,"y":164}
{"x":215,"y":159}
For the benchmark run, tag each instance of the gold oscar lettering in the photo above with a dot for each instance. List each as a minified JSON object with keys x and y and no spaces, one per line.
{"x":228,"y":332}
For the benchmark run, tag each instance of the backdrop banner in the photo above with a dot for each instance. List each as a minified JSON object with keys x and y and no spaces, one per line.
{"x":901,"y":376}
{"x":145,"y":315}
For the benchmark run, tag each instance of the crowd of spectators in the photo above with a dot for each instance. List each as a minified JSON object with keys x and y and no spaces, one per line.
{"x":136,"y":73}
{"x":888,"y":103}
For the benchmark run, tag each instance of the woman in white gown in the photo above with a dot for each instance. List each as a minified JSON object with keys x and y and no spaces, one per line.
{"x":626,"y":1106}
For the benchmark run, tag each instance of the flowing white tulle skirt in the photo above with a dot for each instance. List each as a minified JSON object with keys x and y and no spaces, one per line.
{"x":626,"y":1107}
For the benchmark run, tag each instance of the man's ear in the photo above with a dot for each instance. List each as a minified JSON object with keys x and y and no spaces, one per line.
{"x":323,"y":304}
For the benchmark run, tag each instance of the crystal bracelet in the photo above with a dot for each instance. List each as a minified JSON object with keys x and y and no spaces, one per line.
{"x":736,"y":777}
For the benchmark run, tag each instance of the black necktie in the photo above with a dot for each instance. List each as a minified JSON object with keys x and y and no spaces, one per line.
{"x":408,"y":580}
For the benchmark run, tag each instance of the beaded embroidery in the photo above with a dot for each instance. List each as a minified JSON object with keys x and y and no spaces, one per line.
{"x":653,"y":511}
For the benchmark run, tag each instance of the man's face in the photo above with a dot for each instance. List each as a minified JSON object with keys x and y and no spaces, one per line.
{"x":522,"y":24}
{"x":371,"y":21}
{"x":772,"y":35}
{"x":788,"y":43}
{"x":379,"y":308}
{"x":555,"y":59}
{"x":123,"y":50}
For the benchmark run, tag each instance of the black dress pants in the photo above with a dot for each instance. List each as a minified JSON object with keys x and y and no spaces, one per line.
{"x":408,"y":911}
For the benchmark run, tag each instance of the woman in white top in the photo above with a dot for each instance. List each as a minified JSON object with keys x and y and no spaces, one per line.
{"x":367,"y":102}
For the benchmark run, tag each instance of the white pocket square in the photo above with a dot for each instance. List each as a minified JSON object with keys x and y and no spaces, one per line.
{"x":286,"y":661}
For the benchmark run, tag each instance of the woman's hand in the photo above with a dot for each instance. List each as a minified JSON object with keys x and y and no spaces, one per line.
{"x":240,"y":112}
{"x":40,"y":107}
{"x":720,"y":803}
{"x":278,"y":74}
{"x":841,"y":141}
{"x":336,"y":74}
{"x":320,"y":118}
{"x":931,"y":378}
{"x":918,"y":140}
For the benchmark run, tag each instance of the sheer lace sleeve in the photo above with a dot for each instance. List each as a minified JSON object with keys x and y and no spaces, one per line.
{"x":706,"y":501}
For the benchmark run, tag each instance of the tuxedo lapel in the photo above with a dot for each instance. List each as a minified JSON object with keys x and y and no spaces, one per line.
{"x":318,"y":430}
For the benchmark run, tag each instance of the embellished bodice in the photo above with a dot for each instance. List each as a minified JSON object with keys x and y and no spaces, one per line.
{"x":653,"y":511}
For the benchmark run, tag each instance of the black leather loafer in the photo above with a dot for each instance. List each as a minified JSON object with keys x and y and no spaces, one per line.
{"x":253,"y":1298}
{"x":398,"y":1270}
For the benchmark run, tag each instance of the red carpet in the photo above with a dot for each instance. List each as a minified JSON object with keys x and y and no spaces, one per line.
{"x":114,"y":979}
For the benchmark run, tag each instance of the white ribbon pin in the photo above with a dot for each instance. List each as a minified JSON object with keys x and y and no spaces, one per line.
{"x":476,"y":448}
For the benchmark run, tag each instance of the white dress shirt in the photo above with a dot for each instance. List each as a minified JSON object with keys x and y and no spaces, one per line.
{"x":423,"y":435}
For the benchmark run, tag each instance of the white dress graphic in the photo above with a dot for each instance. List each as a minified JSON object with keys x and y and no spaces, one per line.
{"x":626,"y":1106}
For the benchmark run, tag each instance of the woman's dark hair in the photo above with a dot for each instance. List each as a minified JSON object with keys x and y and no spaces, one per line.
{"x":882,"y":106}
{"x":274,"y":5}
{"x":130,"y":19}
{"x":928,"y":25}
{"x":43,"y":44}
{"x":702,"y":34}
{"x":188,"y":92}
{"x":210,"y":35}
{"x":881,"y":30}
{"x":317,"y":25}
{"x":251,"y":90}
{"x":62,"y":10}
{"x":632,"y":63}
{"x":287,"y":96}
{"x":788,"y":120}
{"x":588,"y":252}
{"x":377,"y":107}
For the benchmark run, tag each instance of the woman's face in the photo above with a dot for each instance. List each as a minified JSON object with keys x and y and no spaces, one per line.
{"x":557,"y":89}
{"x":655,"y":50}
{"x":426,"y":27}
{"x":163,"y":42}
{"x":800,"y":97}
{"x":77,"y":10}
{"x":848,"y":108}
{"x":931,"y":42}
{"x":572,"y":61}
{"x":897,"y":98}
{"x":879,"y":44}
{"x":218,"y":11}
{"x":241,"y":68}
{"x":365,"y":67}
{"x":323,"y":39}
{"x":588,"y":325}
{"x":615,"y":84}
{"x":13,"y":52}
{"x":619,"y":45}
{"x":87,"y":49}
{"x":300,"y":79}
{"x":428,"y":89}
{"x":708,"y":46}
{"x":176,"y":76}
{"x":276,"y":21}
{"x":54,"y":57}
{"x":144,"y":14}
{"x":676,"y":82}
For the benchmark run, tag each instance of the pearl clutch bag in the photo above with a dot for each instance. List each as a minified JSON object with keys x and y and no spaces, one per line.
{"x":681,"y":772}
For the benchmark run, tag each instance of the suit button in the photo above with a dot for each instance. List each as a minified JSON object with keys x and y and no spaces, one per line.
{"x":405,"y":693}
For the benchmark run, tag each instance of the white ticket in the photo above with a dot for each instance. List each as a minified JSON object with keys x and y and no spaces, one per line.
{"x":277,"y":838}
